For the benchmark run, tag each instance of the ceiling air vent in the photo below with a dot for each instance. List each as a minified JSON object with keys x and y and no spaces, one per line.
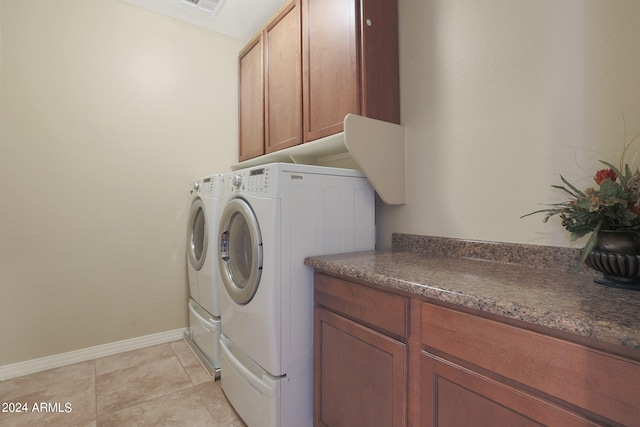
{"x":210,"y":7}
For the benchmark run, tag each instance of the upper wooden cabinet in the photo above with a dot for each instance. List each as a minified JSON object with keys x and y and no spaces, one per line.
{"x":251,"y":101}
{"x":283,"y":81}
{"x":270,"y":87}
{"x":319,"y":61}
{"x":350,"y":63}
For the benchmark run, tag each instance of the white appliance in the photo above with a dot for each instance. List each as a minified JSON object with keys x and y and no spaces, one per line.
{"x":273,"y":217}
{"x":203,"y":335}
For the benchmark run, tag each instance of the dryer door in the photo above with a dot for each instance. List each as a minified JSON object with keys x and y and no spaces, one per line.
{"x":240,"y":251}
{"x":197,"y":234}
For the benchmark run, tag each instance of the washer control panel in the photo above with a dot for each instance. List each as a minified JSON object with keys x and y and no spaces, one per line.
{"x":259,"y":180}
{"x":255,"y":181}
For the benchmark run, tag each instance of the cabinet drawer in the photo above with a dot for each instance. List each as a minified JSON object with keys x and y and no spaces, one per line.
{"x":381,"y":311}
{"x":598,"y":382}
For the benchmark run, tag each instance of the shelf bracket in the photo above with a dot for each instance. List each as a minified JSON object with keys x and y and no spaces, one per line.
{"x":378,"y":148}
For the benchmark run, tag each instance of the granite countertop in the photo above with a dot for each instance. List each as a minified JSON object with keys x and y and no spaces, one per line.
{"x":555,"y":299}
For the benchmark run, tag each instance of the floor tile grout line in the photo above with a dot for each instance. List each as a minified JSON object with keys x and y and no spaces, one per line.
{"x":144,"y":402}
{"x":146,"y":399}
{"x":181,"y":354}
{"x":184,"y":369}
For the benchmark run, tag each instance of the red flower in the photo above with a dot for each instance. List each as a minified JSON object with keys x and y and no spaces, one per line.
{"x":603,"y":174}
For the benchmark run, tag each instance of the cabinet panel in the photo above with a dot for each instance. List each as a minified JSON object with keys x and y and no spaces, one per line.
{"x":330,"y":65}
{"x":453,"y":396}
{"x":283,"y":80}
{"x":380,"y":63}
{"x":598,"y":382}
{"x":251,"y":101}
{"x":385,"y":312}
{"x":360,"y":375}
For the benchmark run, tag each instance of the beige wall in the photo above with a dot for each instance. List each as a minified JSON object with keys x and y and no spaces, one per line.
{"x":108,"y":112}
{"x":501,"y":96}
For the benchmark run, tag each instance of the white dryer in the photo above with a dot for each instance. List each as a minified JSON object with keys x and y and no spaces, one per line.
{"x":204,"y":308}
{"x":273,"y":217}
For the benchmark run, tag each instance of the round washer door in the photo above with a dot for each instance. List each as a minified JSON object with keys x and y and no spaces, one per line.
{"x":197,"y":234}
{"x":240,"y":251}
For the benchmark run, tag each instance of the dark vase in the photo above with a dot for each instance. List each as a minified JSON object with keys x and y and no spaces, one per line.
{"x":616,"y":255}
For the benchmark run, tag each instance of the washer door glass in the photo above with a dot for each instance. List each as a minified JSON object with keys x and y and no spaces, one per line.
{"x":240,"y":251}
{"x":197,"y":233}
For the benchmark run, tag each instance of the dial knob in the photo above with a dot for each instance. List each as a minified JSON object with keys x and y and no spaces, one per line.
{"x":196,"y":186}
{"x":236,"y":181}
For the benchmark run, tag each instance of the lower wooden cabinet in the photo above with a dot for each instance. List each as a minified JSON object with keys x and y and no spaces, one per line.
{"x":455,"y":396}
{"x":384,"y":359}
{"x":360,"y":355}
{"x":361,"y":375}
{"x":590,"y":384}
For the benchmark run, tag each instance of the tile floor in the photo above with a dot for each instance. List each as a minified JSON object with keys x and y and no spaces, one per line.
{"x":162,"y":385}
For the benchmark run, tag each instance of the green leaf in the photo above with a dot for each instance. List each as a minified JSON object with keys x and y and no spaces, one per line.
{"x":583,"y":204}
{"x":610,"y":189}
{"x":560,"y":187}
{"x":587,"y":248}
{"x":537,"y":212}
{"x":578,"y":193}
{"x":578,"y":231}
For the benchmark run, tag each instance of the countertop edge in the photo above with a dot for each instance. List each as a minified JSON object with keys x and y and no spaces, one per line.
{"x":365,"y":266}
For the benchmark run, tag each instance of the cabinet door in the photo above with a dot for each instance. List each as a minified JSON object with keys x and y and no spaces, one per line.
{"x":380,"y":67}
{"x":600,"y":383}
{"x":359,"y":375}
{"x":453,"y":396}
{"x":283,"y":80}
{"x":251,"y":101}
{"x":330,"y":65}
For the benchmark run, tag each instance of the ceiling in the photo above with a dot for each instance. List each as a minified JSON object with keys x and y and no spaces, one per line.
{"x":240,"y":19}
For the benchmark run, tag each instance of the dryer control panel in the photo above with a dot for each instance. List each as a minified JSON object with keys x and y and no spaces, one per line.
{"x":209,"y":186}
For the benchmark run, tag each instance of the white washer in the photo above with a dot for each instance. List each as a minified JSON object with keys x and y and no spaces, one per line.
{"x":273,"y":217}
{"x":204,"y":277}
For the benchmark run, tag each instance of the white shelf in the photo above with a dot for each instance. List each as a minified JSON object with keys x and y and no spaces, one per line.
{"x":307,"y":154}
{"x":375,"y":147}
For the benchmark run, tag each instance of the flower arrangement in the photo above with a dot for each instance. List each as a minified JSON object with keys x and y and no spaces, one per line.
{"x":614,"y":205}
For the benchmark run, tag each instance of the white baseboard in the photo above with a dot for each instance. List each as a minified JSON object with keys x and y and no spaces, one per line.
{"x":57,"y":360}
